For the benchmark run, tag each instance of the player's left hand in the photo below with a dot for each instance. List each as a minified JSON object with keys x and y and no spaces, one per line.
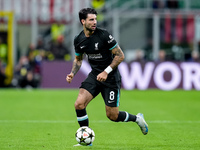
{"x":102,"y":76}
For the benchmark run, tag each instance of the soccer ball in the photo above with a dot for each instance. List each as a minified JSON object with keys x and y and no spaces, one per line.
{"x":85,"y":135}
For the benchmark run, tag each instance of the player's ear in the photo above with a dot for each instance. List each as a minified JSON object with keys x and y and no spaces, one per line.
{"x":83,"y":21}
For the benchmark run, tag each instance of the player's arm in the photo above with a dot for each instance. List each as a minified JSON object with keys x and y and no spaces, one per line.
{"x":75,"y":68}
{"x":118,"y":58}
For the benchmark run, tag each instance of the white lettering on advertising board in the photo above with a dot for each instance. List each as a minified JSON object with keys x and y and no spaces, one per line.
{"x":184,"y":75}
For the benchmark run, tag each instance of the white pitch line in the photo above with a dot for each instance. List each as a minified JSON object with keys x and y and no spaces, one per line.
{"x":93,"y":121}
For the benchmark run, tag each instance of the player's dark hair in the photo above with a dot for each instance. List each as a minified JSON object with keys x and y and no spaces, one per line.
{"x":83,"y":13}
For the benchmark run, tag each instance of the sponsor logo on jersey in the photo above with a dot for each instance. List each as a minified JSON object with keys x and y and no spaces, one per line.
{"x":111,"y":39}
{"x":94,"y":56}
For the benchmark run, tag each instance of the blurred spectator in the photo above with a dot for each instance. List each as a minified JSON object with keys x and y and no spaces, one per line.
{"x":2,"y":74}
{"x":40,"y":44}
{"x":57,"y":30}
{"x":161,"y":56}
{"x":139,"y":56}
{"x":195,"y":56}
{"x":55,"y":47}
{"x":59,"y":50}
{"x":36,"y":54}
{"x":24,"y":76}
{"x":178,"y":52}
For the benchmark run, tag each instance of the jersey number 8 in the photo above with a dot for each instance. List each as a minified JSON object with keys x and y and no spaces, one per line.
{"x":112,"y":95}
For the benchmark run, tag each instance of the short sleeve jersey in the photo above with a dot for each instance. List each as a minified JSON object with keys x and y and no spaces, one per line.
{"x":98,"y":49}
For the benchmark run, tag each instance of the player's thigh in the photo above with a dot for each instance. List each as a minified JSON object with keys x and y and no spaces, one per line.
{"x":91,"y":85}
{"x":111,"y":96}
{"x":84,"y":97}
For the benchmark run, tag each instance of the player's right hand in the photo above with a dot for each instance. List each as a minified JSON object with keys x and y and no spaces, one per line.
{"x":69,"y":77}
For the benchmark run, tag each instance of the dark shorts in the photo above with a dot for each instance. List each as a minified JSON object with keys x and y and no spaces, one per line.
{"x":110,"y":91}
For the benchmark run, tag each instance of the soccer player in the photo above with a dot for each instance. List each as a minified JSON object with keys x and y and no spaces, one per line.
{"x":104,"y":56}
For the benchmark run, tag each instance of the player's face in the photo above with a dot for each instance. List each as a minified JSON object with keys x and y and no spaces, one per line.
{"x":90,"y":22}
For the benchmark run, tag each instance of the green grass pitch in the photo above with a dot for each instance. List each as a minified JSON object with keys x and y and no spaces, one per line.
{"x":45,"y":120}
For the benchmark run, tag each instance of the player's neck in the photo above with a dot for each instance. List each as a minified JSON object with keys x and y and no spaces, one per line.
{"x":88,"y":33}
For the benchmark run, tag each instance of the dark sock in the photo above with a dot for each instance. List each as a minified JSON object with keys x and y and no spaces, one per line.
{"x":82,"y":117}
{"x":125,"y":117}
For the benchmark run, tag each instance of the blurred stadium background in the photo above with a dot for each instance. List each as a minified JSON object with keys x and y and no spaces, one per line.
{"x":160,"y":39}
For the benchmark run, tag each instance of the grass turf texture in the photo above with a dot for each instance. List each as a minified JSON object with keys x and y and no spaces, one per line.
{"x":46,"y":120}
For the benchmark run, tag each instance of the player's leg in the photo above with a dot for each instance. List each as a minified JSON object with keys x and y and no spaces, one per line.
{"x":111,"y":98}
{"x":122,"y":116}
{"x":84,"y":97}
{"x":88,"y":90}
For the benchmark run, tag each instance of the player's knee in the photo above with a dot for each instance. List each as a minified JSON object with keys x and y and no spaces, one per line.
{"x":79,"y":106}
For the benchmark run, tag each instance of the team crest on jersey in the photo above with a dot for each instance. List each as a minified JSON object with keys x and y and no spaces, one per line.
{"x":96,"y":46}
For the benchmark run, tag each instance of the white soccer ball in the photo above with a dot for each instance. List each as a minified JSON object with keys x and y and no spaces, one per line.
{"x":85,"y":135}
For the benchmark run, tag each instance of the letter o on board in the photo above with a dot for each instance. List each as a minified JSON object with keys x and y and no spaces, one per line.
{"x":159,"y":76}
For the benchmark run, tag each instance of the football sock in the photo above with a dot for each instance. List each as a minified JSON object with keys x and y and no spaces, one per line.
{"x":125,"y":117}
{"x":82,"y":117}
